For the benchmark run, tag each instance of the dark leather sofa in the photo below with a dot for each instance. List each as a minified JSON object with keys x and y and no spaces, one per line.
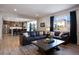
{"x":24,"y":40}
{"x":65,"y":36}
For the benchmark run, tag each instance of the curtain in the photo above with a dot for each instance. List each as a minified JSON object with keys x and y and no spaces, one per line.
{"x":73,"y":27}
{"x":51,"y":23}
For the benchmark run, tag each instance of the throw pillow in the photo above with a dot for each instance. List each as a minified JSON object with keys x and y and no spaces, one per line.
{"x":32,"y":34}
{"x":26,"y":34}
{"x":60,"y":33}
{"x":41,"y":33}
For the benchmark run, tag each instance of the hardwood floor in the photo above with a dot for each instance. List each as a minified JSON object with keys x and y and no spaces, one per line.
{"x":10,"y":46}
{"x":67,"y":50}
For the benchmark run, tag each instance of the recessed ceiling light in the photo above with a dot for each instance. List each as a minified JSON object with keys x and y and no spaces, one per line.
{"x":15,"y":9}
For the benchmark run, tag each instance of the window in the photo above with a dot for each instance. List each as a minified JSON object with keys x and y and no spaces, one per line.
{"x":31,"y":25}
{"x":62,"y":23}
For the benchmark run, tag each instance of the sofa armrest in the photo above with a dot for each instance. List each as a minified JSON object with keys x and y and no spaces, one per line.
{"x":64,"y":37}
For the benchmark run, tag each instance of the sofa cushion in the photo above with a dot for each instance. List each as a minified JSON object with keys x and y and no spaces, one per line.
{"x":37,"y":33}
{"x":32,"y":34}
{"x":65,"y":34}
{"x":39,"y":37}
{"x":42,"y":36}
{"x":57,"y":33}
{"x":35,"y":38}
{"x":57,"y":37}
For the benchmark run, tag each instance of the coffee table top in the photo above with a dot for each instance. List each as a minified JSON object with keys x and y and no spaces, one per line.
{"x":43,"y":44}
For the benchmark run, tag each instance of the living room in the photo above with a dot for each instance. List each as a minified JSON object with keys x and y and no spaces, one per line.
{"x":22,"y":26}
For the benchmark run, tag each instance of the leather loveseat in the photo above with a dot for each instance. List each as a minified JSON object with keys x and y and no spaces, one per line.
{"x":65,"y":36}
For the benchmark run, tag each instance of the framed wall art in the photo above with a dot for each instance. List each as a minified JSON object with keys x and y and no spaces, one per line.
{"x":42,"y":24}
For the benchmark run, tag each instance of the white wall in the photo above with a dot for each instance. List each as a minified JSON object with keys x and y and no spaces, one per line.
{"x":45,"y":20}
{"x":1,"y":23}
{"x":77,"y":13}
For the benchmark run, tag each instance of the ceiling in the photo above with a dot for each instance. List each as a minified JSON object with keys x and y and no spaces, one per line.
{"x":34,"y":10}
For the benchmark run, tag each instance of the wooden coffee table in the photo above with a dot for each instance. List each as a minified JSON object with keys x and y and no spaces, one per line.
{"x":47,"y":44}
